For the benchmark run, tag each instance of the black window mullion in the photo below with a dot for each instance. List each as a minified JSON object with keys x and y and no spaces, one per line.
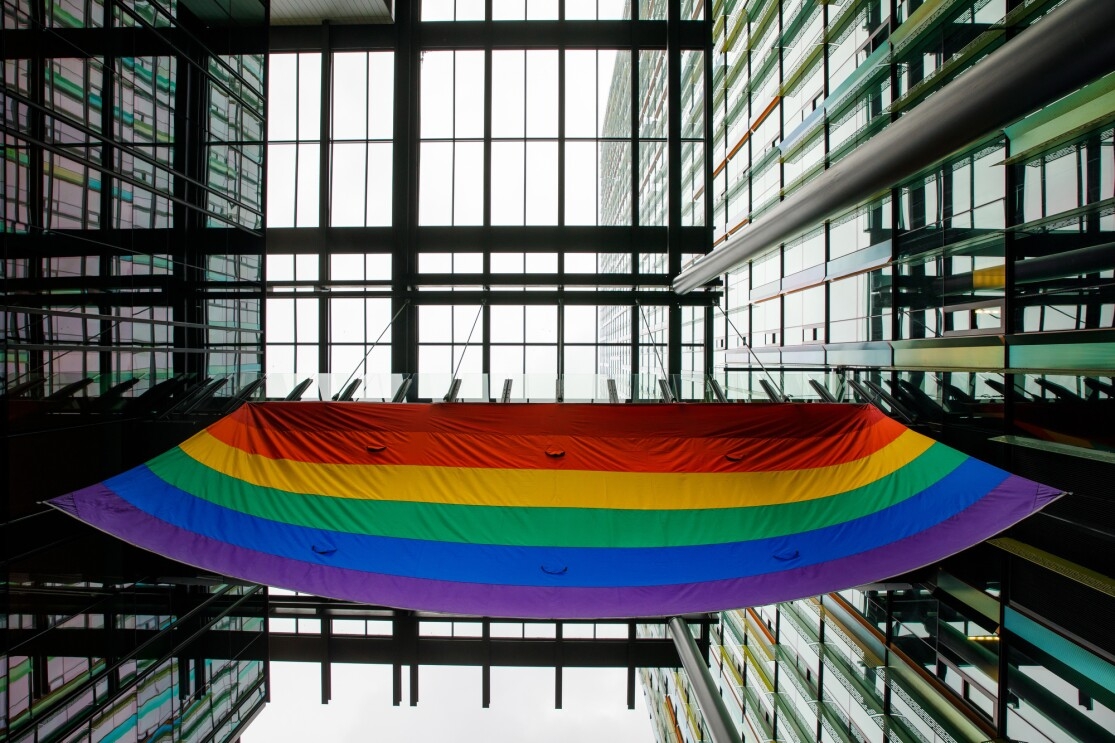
{"x":561,"y":141}
{"x":487,"y":165}
{"x":297,"y":131}
{"x":404,"y":184}
{"x":325,"y":137}
{"x":367,"y":126}
{"x":673,"y":181}
{"x":526,"y":134}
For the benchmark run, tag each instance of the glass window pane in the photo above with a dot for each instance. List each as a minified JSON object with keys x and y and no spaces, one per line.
{"x":580,"y":183}
{"x":469,"y":94}
{"x":470,"y":10}
{"x":309,"y":174}
{"x":346,"y":266}
{"x":437,"y":10}
{"x":580,"y":109}
{"x":541,"y":324}
{"x":379,"y":185}
{"x":466,"y":323}
{"x":613,"y":92}
{"x":350,"y":98}
{"x":435,"y":183}
{"x":307,"y":317}
{"x":507,"y":263}
{"x":282,"y":100}
{"x":615,"y":183}
{"x":541,"y":262}
{"x":280,"y":320}
{"x":693,"y":94}
{"x":468,"y":184}
{"x":507,"y":183}
{"x":346,"y":319}
{"x":542,"y":183}
{"x":508,"y":10}
{"x":306,"y":267}
{"x":542,"y":97}
{"x":437,"y":95}
{"x":652,"y":93}
{"x":280,"y":185}
{"x":309,"y":96}
{"x":580,"y":325}
{"x":508,"y":92}
{"x":280,"y":267}
{"x":540,"y":359}
{"x":542,"y":10}
{"x":348,"y":198}
{"x":652,"y":183}
{"x":579,"y":360}
{"x":506,"y":361}
{"x":507,"y":324}
{"x":435,"y":324}
{"x":381,"y":91}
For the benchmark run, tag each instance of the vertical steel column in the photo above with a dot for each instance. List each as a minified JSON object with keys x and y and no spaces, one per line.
{"x":1002,"y":703}
{"x":404,"y":204}
{"x":710,"y":195}
{"x":37,"y":206}
{"x":486,"y":668}
{"x":326,"y":656}
{"x":631,"y":635}
{"x":636,"y":219}
{"x":720,"y":725}
{"x":325,"y":190}
{"x":109,"y":332}
{"x":558,"y":659}
{"x":190,"y":126}
{"x":673,"y":185}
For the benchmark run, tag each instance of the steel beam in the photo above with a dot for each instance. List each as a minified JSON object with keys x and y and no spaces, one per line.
{"x":1069,"y":48}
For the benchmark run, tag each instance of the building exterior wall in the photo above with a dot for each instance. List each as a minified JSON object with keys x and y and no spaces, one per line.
{"x":960,"y":291}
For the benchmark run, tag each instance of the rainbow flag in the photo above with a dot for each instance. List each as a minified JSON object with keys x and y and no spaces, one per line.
{"x":558,"y":510}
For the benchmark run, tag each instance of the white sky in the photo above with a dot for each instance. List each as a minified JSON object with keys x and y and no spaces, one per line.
{"x":594,"y":706}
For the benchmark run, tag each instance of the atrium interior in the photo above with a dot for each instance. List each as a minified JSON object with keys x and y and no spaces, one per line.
{"x":907,"y":204}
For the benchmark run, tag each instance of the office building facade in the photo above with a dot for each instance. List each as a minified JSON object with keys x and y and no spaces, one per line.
{"x":971,"y":298}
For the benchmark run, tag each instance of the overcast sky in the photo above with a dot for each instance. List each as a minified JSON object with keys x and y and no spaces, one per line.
{"x":594,"y":706}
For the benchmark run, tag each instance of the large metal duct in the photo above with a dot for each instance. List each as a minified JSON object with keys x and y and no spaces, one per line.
{"x":719,"y":723}
{"x":1067,"y":49}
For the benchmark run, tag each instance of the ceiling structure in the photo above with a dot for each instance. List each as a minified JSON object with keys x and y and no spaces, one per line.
{"x":302,"y":12}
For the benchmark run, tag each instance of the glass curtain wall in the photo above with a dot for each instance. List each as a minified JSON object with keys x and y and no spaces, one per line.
{"x":115,"y":284}
{"x":927,"y":274}
{"x":974,"y":300}
{"x":497,"y":207}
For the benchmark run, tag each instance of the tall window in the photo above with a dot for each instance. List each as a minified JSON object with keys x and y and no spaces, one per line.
{"x":598,"y":137}
{"x":363,"y":86}
{"x":294,"y":134}
{"x":524,"y":137}
{"x":451,"y":178}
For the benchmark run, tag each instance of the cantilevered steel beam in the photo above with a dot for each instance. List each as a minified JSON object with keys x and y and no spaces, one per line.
{"x":1069,"y":48}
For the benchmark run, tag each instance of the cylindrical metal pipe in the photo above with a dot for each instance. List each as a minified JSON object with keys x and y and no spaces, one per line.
{"x":721,"y":727}
{"x":1069,"y":48}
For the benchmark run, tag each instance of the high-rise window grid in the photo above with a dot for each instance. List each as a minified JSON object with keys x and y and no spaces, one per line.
{"x":92,"y":146}
{"x":804,"y":84}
